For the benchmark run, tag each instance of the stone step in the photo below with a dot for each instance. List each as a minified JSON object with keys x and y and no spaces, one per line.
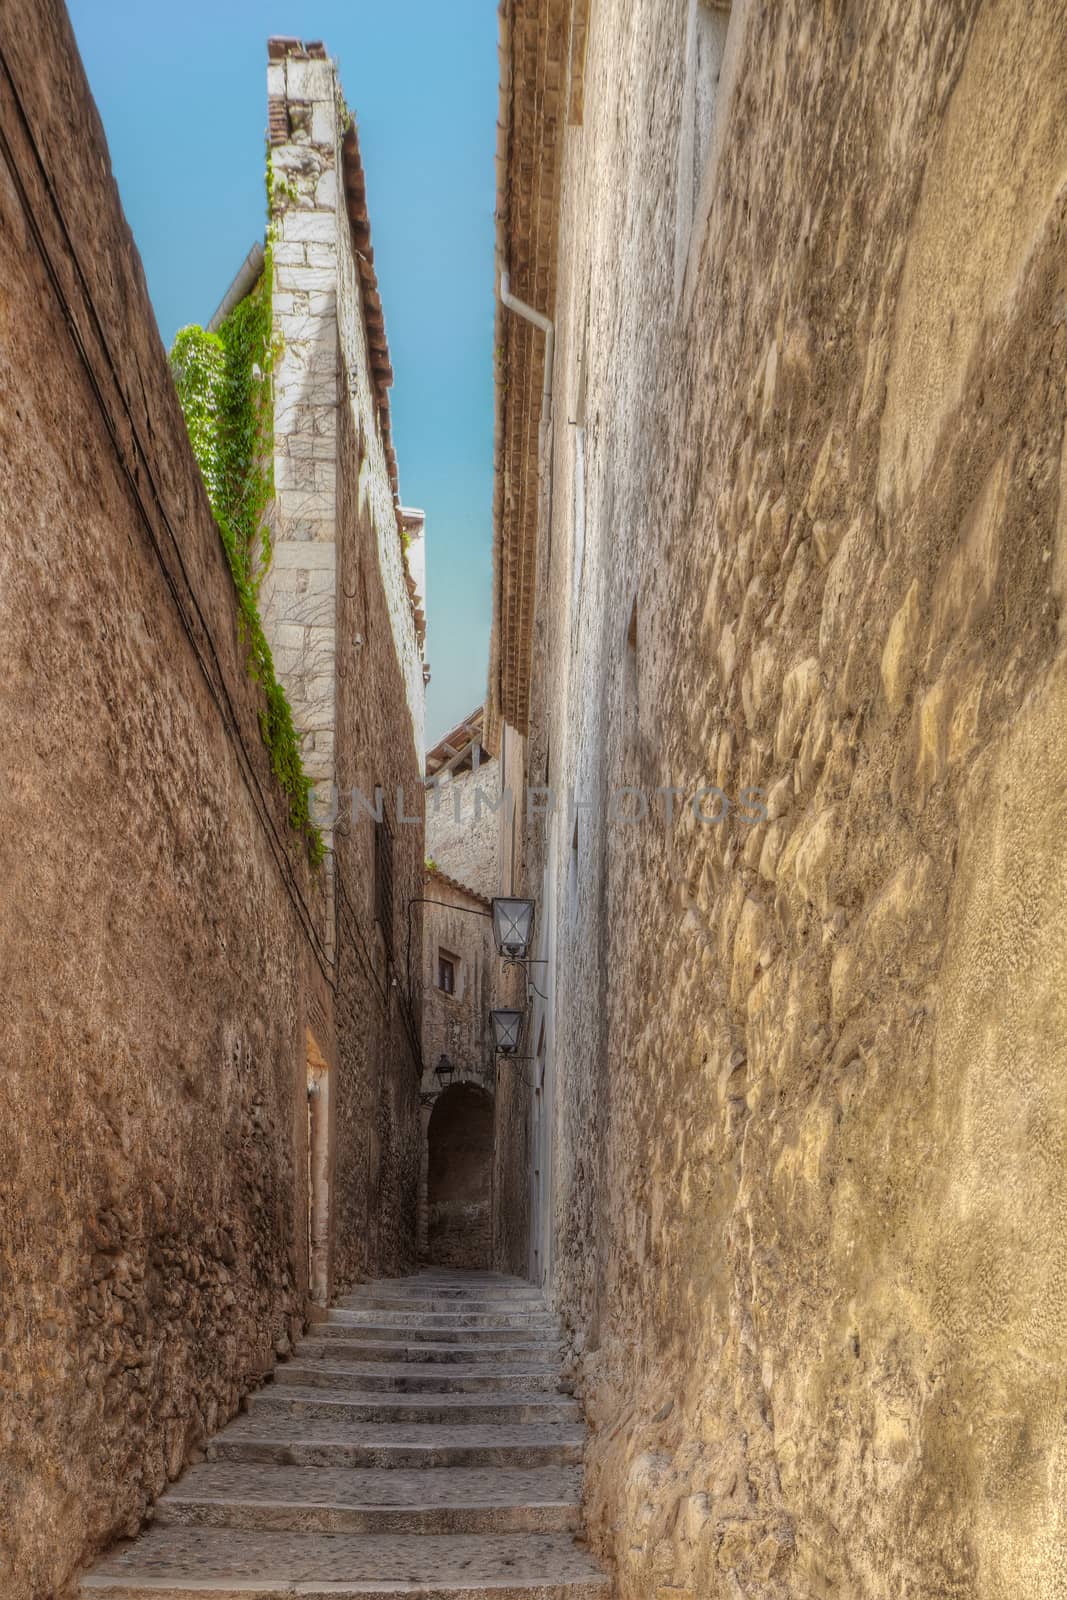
{"x":416,"y":1445}
{"x":536,"y":1356}
{"x":381,"y":1332}
{"x":439,"y":1304}
{"x":453,"y":1278}
{"x":171,"y":1563}
{"x":453,"y":1320}
{"x":458,"y":1275}
{"x":339,"y":1500}
{"x":449,"y":1288}
{"x":405,"y":1377}
{"x":334,"y":1442}
{"x":355,"y":1406}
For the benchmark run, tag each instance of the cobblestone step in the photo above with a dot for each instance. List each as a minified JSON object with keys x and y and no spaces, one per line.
{"x":325,"y":1500}
{"x":407,"y":1377}
{"x":170,"y":1563}
{"x":439,"y":1304}
{"x":453,"y":1283}
{"x":337,"y":1442}
{"x":409,"y":1333}
{"x":461,"y":1318}
{"x":410,"y":1293}
{"x":543,"y":1354}
{"x":355,"y":1406}
{"x":452,"y":1321}
{"x":422,"y":1453}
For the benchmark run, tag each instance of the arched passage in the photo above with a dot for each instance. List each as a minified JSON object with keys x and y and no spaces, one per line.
{"x":460,"y":1139}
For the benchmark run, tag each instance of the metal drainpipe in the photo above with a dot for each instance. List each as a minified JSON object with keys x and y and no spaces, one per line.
{"x":547,"y":328}
{"x":246,"y":279}
{"x":544,"y":432}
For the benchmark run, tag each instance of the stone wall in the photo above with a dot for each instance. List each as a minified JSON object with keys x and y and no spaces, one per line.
{"x":808,"y":1201}
{"x":299,"y":591}
{"x":511,"y":1169}
{"x":162,"y":946}
{"x":326,"y":363}
{"x":340,"y":618}
{"x":463,"y":824}
{"x":166,"y":948}
{"x":379,"y":1127}
{"x":457,"y":927}
{"x":470,"y":824}
{"x":513,"y":1153}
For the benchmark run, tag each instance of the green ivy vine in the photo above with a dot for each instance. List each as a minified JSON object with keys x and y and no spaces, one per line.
{"x":224,"y":386}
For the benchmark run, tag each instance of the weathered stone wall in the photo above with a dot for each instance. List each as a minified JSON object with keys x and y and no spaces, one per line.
{"x":161,"y":929}
{"x":457,"y":1024}
{"x":166,"y":949}
{"x":342,"y":624}
{"x":512,"y":1147}
{"x":325,"y":365}
{"x":809,"y":1200}
{"x":299,"y":591}
{"x":456,"y":921}
{"x":378,"y":1144}
{"x":511,"y":1168}
{"x":463,"y":821}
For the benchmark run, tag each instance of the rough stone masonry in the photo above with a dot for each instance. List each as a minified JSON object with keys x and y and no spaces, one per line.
{"x":174,"y":972}
{"x":806,"y":1208}
{"x":344,"y":617}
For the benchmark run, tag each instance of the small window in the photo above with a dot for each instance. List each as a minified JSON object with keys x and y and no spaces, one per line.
{"x":446,"y":973}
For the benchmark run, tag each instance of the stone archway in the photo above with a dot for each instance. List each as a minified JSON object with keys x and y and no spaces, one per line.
{"x":459,"y":1184}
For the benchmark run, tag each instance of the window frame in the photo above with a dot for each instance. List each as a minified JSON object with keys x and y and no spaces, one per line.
{"x":445,"y":958}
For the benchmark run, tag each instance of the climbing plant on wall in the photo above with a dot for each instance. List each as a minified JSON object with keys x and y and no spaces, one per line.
{"x":224,"y":385}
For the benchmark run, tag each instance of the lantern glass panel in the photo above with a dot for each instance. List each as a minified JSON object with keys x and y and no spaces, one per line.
{"x":507,"y":1030}
{"x":444,"y":1071}
{"x":513,"y":927}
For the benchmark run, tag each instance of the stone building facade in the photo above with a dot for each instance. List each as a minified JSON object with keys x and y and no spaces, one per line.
{"x":460,"y":983}
{"x":344,"y":608}
{"x":790,"y":516}
{"x":177,"y":976}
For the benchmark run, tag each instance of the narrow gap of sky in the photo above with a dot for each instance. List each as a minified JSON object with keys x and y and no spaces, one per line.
{"x":182,"y":94}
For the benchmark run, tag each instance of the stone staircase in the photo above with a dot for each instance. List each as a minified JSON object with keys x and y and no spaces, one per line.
{"x":415,"y":1444}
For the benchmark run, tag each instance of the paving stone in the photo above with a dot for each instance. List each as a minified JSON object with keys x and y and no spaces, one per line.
{"x":335,"y":1441}
{"x":544,"y":1354}
{"x":432,"y":1456}
{"x":438,"y":1500}
{"x":454,"y":1320}
{"x":438,"y":1304}
{"x":411,"y":1377}
{"x":261,"y":1565}
{"x":444,"y":1408}
{"x":443,"y":1289}
{"x":333,"y":1328}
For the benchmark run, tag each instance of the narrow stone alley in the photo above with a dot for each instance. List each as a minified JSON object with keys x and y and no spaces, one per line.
{"x":615,"y":1146}
{"x":415,"y":1444}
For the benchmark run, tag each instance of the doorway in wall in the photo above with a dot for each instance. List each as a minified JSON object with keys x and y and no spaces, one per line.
{"x":318,"y":1173}
{"x":459,"y":1182}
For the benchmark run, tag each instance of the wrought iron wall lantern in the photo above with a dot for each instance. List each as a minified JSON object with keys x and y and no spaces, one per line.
{"x":513,"y":927}
{"x":444,"y":1072}
{"x":507,"y":1031}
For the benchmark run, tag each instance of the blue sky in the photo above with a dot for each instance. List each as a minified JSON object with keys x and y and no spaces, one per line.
{"x":182,"y":93}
